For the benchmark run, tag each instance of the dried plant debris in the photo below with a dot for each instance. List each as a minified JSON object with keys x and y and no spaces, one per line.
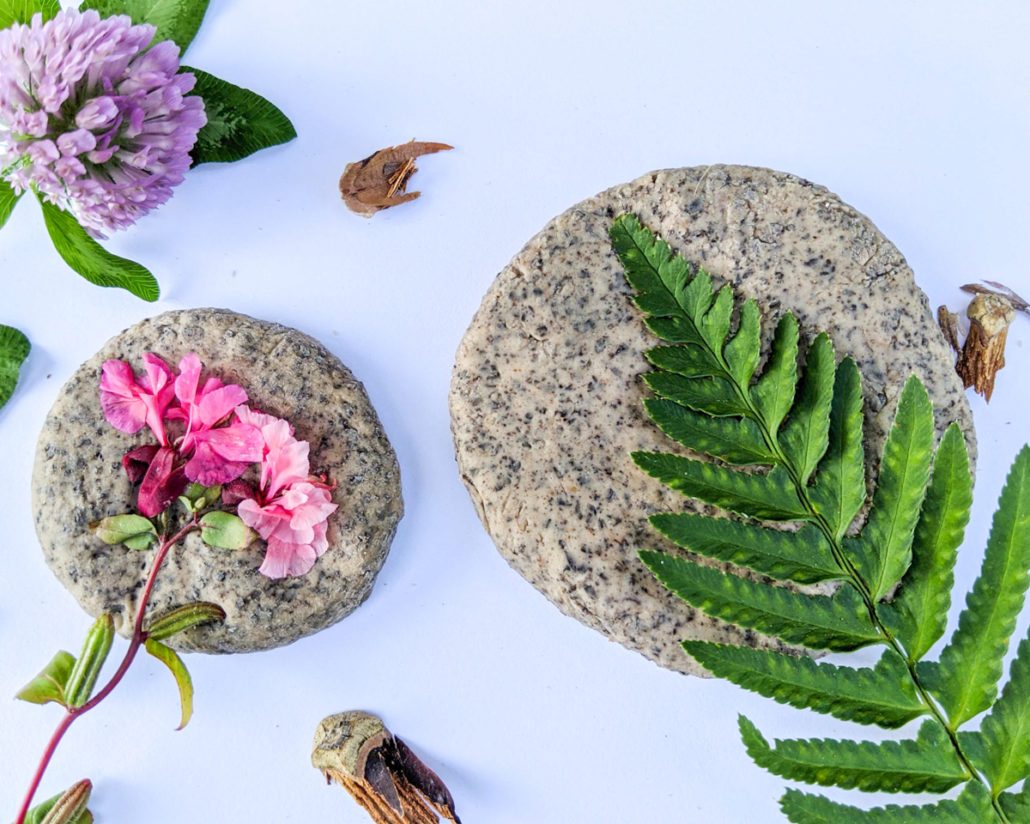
{"x":983,"y":353}
{"x":383,"y":775}
{"x":381,"y":179}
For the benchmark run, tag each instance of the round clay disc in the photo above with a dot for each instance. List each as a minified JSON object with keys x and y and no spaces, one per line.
{"x":78,"y":478}
{"x":546,"y":395}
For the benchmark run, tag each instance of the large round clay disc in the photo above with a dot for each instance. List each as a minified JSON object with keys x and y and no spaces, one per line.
{"x":78,"y":478}
{"x":546,"y":399}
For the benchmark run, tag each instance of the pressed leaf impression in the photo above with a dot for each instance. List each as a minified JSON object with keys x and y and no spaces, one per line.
{"x":801,"y":431}
{"x":383,"y":775}
{"x":381,"y":179}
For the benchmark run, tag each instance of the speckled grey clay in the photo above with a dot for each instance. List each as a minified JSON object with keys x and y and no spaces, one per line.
{"x":546,"y":399}
{"x":78,"y":478}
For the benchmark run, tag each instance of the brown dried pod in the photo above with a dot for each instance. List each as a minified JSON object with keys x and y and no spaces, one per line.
{"x":381,"y":179}
{"x":983,"y":353}
{"x":384,"y":776}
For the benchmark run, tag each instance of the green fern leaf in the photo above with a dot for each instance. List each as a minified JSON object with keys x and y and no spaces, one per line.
{"x":715,"y":325}
{"x":735,"y":440}
{"x":807,"y":432}
{"x":926,"y":764}
{"x":771,"y":496}
{"x":713,"y":396}
{"x":686,"y":360}
{"x":883,"y":551}
{"x":814,"y":621}
{"x":773,"y":395}
{"x":971,"y":807}
{"x":881,"y":696}
{"x":965,"y":681}
{"x":1006,"y":729}
{"x":919,"y":612}
{"x":803,"y":556}
{"x":1017,"y":805}
{"x":839,"y":489}
{"x":742,"y":352}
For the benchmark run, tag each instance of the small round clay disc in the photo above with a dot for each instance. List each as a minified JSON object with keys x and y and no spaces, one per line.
{"x":78,"y":478}
{"x":546,"y":396}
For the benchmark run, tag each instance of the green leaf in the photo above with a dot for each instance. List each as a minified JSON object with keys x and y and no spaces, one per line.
{"x":773,"y":395}
{"x":919,"y":612}
{"x":87,"y":666}
{"x":771,"y":496}
{"x":223,"y":530}
{"x":816,"y":621}
{"x":713,"y":396}
{"x":135,"y":531}
{"x":14,"y":348}
{"x":239,"y":121}
{"x":686,"y":360}
{"x":883,"y":551}
{"x":965,"y":681}
{"x":839,"y":490}
{"x":803,"y":556}
{"x":176,"y":20}
{"x":1017,"y":805}
{"x":21,"y":11}
{"x":927,"y":764}
{"x":742,"y":352}
{"x":973,"y":806}
{"x":734,"y":440}
{"x":806,"y":435}
{"x":167,"y":656}
{"x":1006,"y":729}
{"x":8,"y":199}
{"x":182,"y":618}
{"x":49,"y":685}
{"x":882,"y":696}
{"x":91,"y":260}
{"x":715,"y":325}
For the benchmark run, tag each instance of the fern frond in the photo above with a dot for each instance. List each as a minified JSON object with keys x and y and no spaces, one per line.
{"x":773,"y":395}
{"x":742,"y":352}
{"x":803,"y":556}
{"x":715,"y":325}
{"x":1006,"y":729}
{"x":883,"y":551}
{"x":926,"y":764}
{"x":1017,"y":805}
{"x":713,"y":396}
{"x":965,"y":681}
{"x":919,"y":612}
{"x":688,"y":361}
{"x":734,"y":440}
{"x":971,"y":807}
{"x":815,"y":621}
{"x":771,"y":496}
{"x":839,"y":489}
{"x":868,"y":696}
{"x":806,"y":435}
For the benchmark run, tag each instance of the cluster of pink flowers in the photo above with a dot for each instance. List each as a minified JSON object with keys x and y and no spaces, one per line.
{"x":94,"y":117}
{"x":207,"y":434}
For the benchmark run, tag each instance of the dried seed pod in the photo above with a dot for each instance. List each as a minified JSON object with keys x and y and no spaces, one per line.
{"x":983,"y":353}
{"x":379,"y":770}
{"x":380,"y":180}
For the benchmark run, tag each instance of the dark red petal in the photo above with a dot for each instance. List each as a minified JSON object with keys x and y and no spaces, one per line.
{"x":164,"y":482}
{"x":236,"y":491}
{"x":137,"y":461}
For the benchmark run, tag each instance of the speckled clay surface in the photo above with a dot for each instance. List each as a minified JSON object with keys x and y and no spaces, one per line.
{"x":546,"y":399}
{"x":78,"y":478}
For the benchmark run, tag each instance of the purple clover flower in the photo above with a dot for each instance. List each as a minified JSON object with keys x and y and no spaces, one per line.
{"x":93,"y":117}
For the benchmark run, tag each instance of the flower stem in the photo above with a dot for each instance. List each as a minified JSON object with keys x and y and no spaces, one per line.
{"x":135,"y":642}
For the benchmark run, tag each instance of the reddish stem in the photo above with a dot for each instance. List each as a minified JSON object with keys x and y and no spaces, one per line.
{"x":135,"y":642}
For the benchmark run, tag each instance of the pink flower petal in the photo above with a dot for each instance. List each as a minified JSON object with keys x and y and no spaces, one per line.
{"x":119,"y":402}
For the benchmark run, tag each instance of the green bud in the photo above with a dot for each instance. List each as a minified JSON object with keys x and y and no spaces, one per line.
{"x":223,"y":530}
{"x":197,"y":497}
{"x":135,"y":531}
{"x":94,"y":652}
{"x":184,"y":617}
{"x":49,"y":685}
{"x":70,"y":808}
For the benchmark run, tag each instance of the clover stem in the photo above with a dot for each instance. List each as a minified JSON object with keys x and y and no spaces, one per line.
{"x":135,"y":642}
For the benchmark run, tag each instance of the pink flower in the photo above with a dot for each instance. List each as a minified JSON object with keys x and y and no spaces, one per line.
{"x":128,"y":404}
{"x":290,"y":508}
{"x":293,"y":525}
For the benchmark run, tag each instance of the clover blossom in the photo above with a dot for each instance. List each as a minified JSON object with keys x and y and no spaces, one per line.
{"x":93,"y":117}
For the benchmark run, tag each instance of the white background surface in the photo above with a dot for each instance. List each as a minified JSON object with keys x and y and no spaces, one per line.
{"x":917,"y":116}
